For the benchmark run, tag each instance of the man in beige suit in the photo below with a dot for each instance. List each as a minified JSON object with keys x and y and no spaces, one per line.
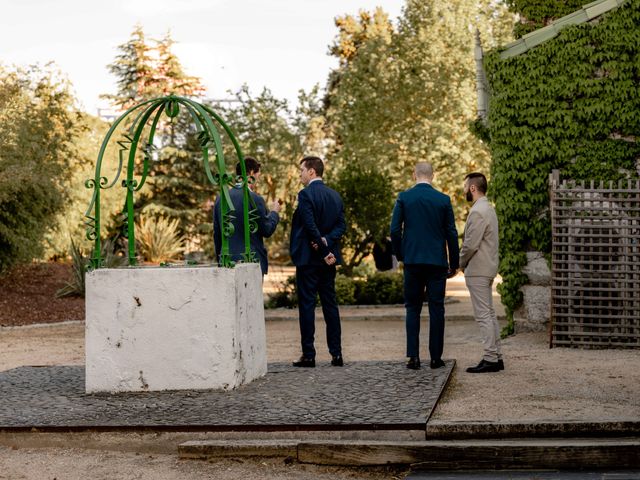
{"x":479,"y":260}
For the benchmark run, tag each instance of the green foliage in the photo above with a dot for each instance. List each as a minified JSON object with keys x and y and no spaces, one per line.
{"x":535,"y":14}
{"x":79,"y":264}
{"x":159,"y":239}
{"x":277,"y":137}
{"x":368,"y":197}
{"x":572,"y":104}
{"x":38,"y":125}
{"x":382,"y":288}
{"x":406,"y":94}
{"x":345,"y":290}
{"x":379,"y":288}
{"x":69,"y":223}
{"x":145,"y":71}
{"x":177,"y":187}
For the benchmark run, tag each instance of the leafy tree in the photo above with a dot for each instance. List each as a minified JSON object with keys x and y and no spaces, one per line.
{"x":69,"y":223}
{"x":38,"y":125}
{"x":368,"y":200}
{"x":407,"y":93}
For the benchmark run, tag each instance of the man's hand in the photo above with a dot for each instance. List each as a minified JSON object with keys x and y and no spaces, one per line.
{"x":452,"y":272}
{"x":330,"y":259}
{"x":315,"y":246}
{"x":275,"y":206}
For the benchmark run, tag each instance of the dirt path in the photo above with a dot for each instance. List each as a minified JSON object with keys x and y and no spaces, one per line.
{"x":538,"y":384}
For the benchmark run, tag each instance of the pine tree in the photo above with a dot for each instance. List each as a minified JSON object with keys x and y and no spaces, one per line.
{"x":177,"y":187}
{"x":135,"y":69}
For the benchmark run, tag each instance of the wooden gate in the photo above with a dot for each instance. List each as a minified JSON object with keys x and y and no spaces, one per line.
{"x":595,"y":296}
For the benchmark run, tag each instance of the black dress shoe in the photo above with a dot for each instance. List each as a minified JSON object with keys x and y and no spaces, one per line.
{"x":500,"y":365}
{"x":436,"y":364}
{"x":413,"y":363}
{"x":484,"y":366}
{"x":305,"y":362}
{"x":337,"y":361}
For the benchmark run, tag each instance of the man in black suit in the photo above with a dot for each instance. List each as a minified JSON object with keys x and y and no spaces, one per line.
{"x":267,"y":221}
{"x":423,"y":231}
{"x":318,"y":223}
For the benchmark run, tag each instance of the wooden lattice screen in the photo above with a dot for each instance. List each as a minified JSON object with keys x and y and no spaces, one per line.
{"x":595,"y":294}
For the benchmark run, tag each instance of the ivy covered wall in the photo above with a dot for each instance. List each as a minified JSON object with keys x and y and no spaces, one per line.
{"x":535,"y":14}
{"x":571,"y":103}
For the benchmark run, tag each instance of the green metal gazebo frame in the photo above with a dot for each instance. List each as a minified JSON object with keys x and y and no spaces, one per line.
{"x":209,"y":138}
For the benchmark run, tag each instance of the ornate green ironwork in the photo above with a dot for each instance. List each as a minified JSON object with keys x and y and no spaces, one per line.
{"x":148,"y":114}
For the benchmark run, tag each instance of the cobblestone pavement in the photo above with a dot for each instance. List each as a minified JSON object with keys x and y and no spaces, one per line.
{"x":364,"y":394}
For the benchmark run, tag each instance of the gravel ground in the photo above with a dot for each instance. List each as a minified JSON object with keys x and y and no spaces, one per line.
{"x":538,"y":384}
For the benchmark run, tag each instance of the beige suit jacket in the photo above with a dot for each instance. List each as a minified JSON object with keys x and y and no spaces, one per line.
{"x":479,"y":253}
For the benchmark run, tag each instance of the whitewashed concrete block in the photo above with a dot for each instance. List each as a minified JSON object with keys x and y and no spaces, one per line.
{"x":174,"y":328}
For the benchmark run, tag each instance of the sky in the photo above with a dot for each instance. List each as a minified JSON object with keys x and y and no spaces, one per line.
{"x":279,"y":44}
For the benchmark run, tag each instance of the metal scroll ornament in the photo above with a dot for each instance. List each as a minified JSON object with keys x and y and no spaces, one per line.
{"x":144,"y":118}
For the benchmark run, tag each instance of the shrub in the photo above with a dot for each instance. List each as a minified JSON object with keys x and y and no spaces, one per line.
{"x":381,"y":288}
{"x":158,"y":239}
{"x":80,"y":263}
{"x":345,"y":290}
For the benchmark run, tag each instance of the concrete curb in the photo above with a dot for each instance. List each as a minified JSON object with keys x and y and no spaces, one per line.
{"x":448,"y":430}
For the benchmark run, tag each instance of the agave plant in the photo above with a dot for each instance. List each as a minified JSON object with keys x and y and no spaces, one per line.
{"x":80,"y":263}
{"x":159,"y":239}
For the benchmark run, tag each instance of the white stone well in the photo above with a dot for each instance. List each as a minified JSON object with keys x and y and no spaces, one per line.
{"x":174,"y":328}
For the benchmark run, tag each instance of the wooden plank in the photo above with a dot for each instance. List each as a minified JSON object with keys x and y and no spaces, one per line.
{"x":477,"y":454}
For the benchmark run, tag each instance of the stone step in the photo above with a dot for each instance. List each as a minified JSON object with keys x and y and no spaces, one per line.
{"x":617,"y":453}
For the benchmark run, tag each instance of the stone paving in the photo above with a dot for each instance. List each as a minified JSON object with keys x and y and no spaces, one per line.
{"x":363,"y":395}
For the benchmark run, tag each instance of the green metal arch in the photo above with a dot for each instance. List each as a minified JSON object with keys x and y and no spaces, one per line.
{"x":207,"y":122}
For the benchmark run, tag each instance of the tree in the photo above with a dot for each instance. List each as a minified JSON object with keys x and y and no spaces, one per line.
{"x":409,"y":94}
{"x":135,"y":69}
{"x":177,"y":187}
{"x":38,"y":126}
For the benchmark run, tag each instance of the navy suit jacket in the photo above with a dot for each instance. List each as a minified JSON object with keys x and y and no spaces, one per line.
{"x":320,"y":213}
{"x":267,"y":223}
{"x":423,"y":228}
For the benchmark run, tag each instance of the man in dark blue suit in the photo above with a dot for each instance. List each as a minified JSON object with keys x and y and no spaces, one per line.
{"x":424,"y":237}
{"x":318,"y":223}
{"x":267,"y":221}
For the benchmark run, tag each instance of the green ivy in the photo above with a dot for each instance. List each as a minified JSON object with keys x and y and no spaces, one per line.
{"x":571,"y":103}
{"x":535,"y":14}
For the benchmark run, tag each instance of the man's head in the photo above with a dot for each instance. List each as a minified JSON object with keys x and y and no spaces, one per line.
{"x":252,"y":166}
{"x":475,"y":186}
{"x":423,"y":172}
{"x":310,"y":168}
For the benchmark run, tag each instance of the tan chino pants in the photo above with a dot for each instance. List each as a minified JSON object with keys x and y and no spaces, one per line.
{"x":485,"y":315}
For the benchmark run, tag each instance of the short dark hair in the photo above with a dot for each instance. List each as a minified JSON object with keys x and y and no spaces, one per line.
{"x":251,"y":164}
{"x":479,"y":180}
{"x":313,"y":162}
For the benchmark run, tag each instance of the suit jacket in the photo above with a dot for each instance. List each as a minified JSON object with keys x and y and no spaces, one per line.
{"x":267,"y":223}
{"x":423,"y":228}
{"x":479,"y":254}
{"x":320,"y":213}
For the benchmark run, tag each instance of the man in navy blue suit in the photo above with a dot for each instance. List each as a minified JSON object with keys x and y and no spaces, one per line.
{"x":267,"y":221}
{"x":317,"y":226}
{"x":424,"y":237}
